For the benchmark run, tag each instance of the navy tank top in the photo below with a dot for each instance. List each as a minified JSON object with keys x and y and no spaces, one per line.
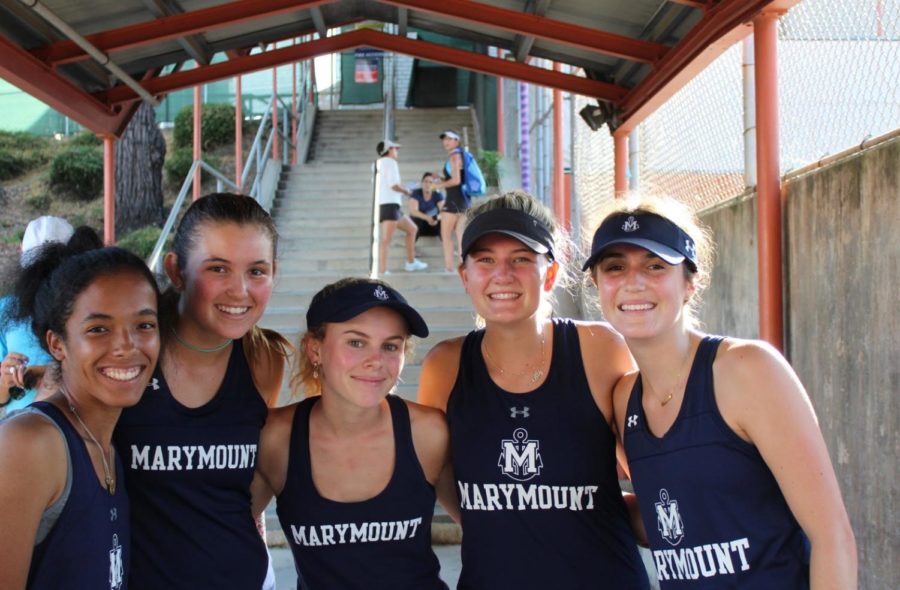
{"x":88,"y":547}
{"x":714,"y":513}
{"x":188,"y":472}
{"x":536,"y":475}
{"x":382,"y":542}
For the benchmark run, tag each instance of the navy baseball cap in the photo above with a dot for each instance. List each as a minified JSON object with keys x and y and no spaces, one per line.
{"x":351,"y":300}
{"x":649,"y":231}
{"x":511,"y":222}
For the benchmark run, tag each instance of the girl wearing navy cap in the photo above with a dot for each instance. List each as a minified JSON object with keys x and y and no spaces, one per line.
{"x":352,"y":466}
{"x":723,"y":446}
{"x":532,"y":445}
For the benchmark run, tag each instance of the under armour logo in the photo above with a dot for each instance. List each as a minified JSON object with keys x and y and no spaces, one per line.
{"x":515,"y":412}
{"x":632,"y":421}
{"x":631,"y":224}
{"x":690,"y":248}
{"x":154,"y":383}
{"x":381,"y":294}
{"x":113,"y":514}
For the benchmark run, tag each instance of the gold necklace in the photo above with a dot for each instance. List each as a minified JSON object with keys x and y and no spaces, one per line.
{"x":110,"y":480}
{"x":536,"y":374}
{"x":663,"y":402}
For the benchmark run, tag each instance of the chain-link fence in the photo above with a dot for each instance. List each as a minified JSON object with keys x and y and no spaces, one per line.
{"x":839,"y":85}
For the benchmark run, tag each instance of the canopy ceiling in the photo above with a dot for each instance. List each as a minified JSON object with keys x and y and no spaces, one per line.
{"x":630,"y":55}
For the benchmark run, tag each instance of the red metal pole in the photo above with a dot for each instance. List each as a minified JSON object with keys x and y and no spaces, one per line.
{"x":198,"y":106}
{"x":620,"y":147}
{"x":293,"y":111}
{"x":276,"y":144}
{"x":768,"y":193}
{"x":566,"y":219}
{"x":558,"y":182}
{"x":109,"y":190}
{"x":238,"y":133}
{"x":501,"y":128}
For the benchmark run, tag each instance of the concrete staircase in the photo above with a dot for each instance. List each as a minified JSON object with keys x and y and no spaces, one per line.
{"x":323,"y":212}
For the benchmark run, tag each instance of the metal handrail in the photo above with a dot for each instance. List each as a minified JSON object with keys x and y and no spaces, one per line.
{"x":256,"y":159}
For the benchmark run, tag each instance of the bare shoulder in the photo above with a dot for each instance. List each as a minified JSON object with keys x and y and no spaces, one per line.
{"x":596,"y":336}
{"x":426,"y":418}
{"x":741,"y":363}
{"x":267,"y":352}
{"x":39,"y":450}
{"x":439,"y":370}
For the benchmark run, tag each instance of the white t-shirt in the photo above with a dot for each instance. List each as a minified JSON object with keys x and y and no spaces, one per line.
{"x":388,"y":176}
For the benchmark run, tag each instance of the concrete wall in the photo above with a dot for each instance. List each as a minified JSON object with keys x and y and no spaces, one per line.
{"x":842,"y":277}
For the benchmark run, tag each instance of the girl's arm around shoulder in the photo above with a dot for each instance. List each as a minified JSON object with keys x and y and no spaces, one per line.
{"x":273,"y":455}
{"x":764,"y":402}
{"x":606,"y":359}
{"x":33,"y":467}
{"x":438,"y":375}
{"x":431,"y":437}
{"x":267,"y":352}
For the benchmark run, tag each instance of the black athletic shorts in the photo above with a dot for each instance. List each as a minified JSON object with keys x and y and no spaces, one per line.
{"x":389,"y":213}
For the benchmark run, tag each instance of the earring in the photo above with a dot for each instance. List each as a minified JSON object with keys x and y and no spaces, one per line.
{"x":316,"y":371}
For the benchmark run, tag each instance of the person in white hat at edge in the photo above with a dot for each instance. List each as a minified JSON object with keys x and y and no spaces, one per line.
{"x":23,"y":359}
{"x":391,"y":194}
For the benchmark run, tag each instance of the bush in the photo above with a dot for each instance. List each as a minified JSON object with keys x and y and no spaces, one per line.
{"x":489,"y":162}
{"x":78,"y":172}
{"x":178,"y":164}
{"x":140,"y":241}
{"x":40,"y":202}
{"x":216,"y":126}
{"x":21,"y":152}
{"x":85,"y":138}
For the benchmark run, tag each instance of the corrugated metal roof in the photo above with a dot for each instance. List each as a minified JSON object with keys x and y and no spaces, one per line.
{"x":634,"y":45}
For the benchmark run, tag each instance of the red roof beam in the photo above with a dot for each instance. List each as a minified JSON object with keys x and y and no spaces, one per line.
{"x":696,"y":50}
{"x":370,"y":38}
{"x":172,"y":27}
{"x":541,"y":27}
{"x":699,"y":4}
{"x":21,"y":69}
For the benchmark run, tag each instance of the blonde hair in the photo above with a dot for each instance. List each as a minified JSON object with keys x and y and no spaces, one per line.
{"x":685,"y":218}
{"x":305,"y":380}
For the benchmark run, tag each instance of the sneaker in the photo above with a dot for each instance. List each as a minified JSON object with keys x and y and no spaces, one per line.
{"x":386,"y":273}
{"x":415,"y":265}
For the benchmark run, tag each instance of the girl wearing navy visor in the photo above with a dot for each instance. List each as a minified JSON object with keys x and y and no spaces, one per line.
{"x":532,"y":445}
{"x":354,"y":467}
{"x":731,"y":472}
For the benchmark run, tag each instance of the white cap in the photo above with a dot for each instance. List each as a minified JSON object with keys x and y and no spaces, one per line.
{"x":450,"y":133}
{"x":42,"y":230}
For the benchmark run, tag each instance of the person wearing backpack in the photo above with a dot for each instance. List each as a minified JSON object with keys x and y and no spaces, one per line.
{"x":456,"y":202}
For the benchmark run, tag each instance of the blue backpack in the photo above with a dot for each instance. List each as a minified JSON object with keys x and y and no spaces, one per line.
{"x":473,"y":184}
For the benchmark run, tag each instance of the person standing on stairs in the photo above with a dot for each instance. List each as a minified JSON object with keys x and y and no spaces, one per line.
{"x":353,"y":466}
{"x":529,"y":405}
{"x":389,"y":191}
{"x":456,"y":203}
{"x":190,"y":445}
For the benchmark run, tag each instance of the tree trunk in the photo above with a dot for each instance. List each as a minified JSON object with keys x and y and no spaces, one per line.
{"x":139,"y":161}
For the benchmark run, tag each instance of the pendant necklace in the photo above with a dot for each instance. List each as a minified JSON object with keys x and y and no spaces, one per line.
{"x":668,"y":398}
{"x":110,"y":480}
{"x":187,"y":344}
{"x":536,"y":374}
